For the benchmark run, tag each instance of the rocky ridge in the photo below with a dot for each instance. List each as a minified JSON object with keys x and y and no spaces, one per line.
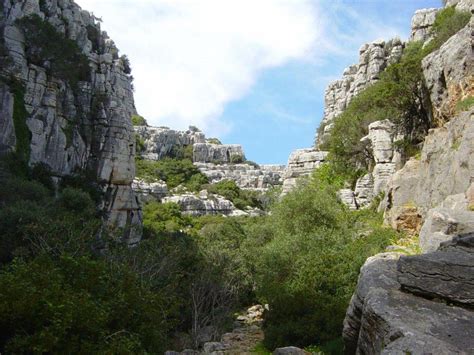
{"x":71,"y":126}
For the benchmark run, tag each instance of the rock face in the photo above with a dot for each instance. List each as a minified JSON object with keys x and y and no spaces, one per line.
{"x":202,"y":205}
{"x":388,"y":316}
{"x":246,"y":176}
{"x":74,"y":126}
{"x":302,"y":162}
{"x":150,"y":191}
{"x":373,"y":59}
{"x":421,"y":24}
{"x":446,"y":167}
{"x":160,"y":142}
{"x":218,"y":153}
{"x":449,"y":73}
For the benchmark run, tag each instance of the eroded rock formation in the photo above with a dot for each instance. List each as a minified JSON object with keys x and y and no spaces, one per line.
{"x":75,"y":121}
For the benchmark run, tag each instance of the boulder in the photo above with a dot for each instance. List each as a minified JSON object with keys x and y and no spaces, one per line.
{"x":421,"y":24}
{"x":446,"y":274}
{"x":378,"y":272}
{"x":394,"y":322}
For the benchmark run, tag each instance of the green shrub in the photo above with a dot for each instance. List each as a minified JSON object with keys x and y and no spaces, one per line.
{"x":20,"y":115}
{"x":214,"y":141}
{"x":76,"y":200}
{"x":307,"y":272}
{"x":173,"y":171}
{"x":138,"y":120}
{"x":465,"y":105}
{"x":78,"y":305}
{"x":237,"y":159}
{"x":163,"y":217}
{"x":240,"y":198}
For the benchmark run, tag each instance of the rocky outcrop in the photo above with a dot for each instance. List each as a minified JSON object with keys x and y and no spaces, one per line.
{"x":150,"y":191}
{"x":218,"y":153}
{"x":373,"y":59}
{"x":161,"y":142}
{"x":446,"y":167}
{"x":463,"y":5}
{"x":392,"y":311}
{"x":302,"y":162}
{"x":73,"y":125}
{"x":421,"y":24}
{"x":449,"y":74}
{"x":445,"y":221}
{"x":246,"y":176}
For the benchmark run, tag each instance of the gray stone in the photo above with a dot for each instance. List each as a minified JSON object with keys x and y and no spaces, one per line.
{"x":217,"y":153}
{"x":7,"y":128}
{"x":301,"y":163}
{"x":397,"y":323}
{"x":347,"y":197}
{"x":150,"y":191}
{"x":446,"y":274}
{"x":421,"y":24}
{"x":102,"y":142}
{"x":448,"y":73}
{"x":378,"y":271}
{"x":160,"y":142}
{"x":290,"y":350}
{"x":363,"y":192}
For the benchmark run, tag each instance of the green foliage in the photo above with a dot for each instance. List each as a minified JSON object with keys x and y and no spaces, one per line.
{"x":465,"y":105}
{"x":20,"y":115}
{"x":237,"y":159}
{"x":399,"y":95}
{"x":77,"y":305}
{"x":163,"y":217}
{"x":173,"y":171}
{"x":214,"y":141}
{"x":448,"y":21}
{"x":138,"y":120}
{"x":94,"y":36}
{"x":47,"y":47}
{"x":139,"y":144}
{"x":308,"y":271}
{"x":240,"y":198}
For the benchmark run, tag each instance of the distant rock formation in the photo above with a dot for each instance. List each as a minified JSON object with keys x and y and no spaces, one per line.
{"x":218,"y":153}
{"x":161,"y":142}
{"x":302,"y":162}
{"x":71,"y":125}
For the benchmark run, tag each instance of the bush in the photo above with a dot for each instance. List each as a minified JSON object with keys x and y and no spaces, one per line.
{"x":241,"y":198}
{"x":138,"y":120}
{"x":237,"y":159}
{"x":163,"y":217}
{"x":173,"y":171}
{"x":465,"y":105}
{"x":76,"y":304}
{"x":308,"y":270}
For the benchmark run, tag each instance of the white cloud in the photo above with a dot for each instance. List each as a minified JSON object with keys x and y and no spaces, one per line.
{"x":190,"y":58}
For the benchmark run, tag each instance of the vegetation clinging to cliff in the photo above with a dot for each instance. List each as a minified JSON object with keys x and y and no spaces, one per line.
{"x":399,"y":96}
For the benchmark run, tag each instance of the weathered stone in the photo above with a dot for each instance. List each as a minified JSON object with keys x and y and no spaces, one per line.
{"x":449,"y":74}
{"x":447,"y":273}
{"x":217,"y":153}
{"x":444,"y":222}
{"x":445,"y":168}
{"x":72,"y":129}
{"x":347,"y":197}
{"x":373,"y":59}
{"x":397,"y":323}
{"x":195,"y":206}
{"x":246,"y":176}
{"x":363,"y":192}
{"x":160,"y":142}
{"x":150,"y":191}
{"x":422,"y":23}
{"x":378,"y":271}
{"x":302,"y":162}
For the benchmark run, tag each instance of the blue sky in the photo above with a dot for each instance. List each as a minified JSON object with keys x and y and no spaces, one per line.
{"x":251,"y":72}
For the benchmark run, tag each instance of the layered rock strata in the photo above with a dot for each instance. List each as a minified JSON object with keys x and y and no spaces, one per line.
{"x":302,"y":162}
{"x":72,"y":126}
{"x":161,"y":142}
{"x":392,"y":310}
{"x":373,"y":59}
{"x":246,"y":176}
{"x":218,"y":153}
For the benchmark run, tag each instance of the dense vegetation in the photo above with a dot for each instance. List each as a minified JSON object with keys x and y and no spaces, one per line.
{"x":399,"y":96}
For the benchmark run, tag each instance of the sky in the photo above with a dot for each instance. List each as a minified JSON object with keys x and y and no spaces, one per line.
{"x":250,"y":72}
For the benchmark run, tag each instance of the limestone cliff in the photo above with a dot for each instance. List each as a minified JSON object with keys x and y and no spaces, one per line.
{"x":67,"y":99}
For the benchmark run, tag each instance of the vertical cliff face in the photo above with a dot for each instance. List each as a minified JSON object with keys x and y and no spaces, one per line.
{"x":373,"y":59}
{"x":67,"y":99}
